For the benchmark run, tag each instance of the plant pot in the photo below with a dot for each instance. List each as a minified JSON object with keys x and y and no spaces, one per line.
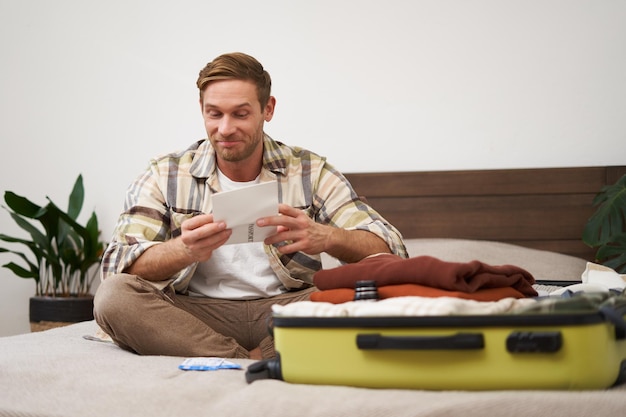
{"x":50,"y":312}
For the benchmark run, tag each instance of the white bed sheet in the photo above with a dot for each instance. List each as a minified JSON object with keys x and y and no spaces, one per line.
{"x":59,"y":373}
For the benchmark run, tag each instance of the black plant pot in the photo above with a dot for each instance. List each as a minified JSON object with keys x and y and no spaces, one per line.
{"x":49,"y":312}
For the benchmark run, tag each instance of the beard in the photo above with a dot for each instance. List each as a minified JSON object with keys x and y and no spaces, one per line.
{"x":246,"y":146}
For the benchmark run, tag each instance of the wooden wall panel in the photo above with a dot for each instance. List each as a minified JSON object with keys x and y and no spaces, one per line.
{"x":539,"y":208}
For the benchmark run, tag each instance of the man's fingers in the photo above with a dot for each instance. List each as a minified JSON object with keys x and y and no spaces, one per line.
{"x":287,"y":218}
{"x":197,"y":221}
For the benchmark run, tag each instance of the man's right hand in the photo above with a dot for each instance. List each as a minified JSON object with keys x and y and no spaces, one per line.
{"x":200,"y":236}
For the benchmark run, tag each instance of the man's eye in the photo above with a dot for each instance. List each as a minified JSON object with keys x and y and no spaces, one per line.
{"x":213,"y":114}
{"x":241,"y":115}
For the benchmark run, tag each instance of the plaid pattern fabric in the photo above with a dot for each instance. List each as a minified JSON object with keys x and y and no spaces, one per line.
{"x":571,"y":302}
{"x":178,"y":186}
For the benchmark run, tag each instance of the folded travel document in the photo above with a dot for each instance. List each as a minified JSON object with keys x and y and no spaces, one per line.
{"x":241,"y":208}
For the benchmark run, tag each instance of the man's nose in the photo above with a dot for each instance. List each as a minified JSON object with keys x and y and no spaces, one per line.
{"x":227,"y":126}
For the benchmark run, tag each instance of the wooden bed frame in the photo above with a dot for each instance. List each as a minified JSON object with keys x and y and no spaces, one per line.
{"x":542,"y":208}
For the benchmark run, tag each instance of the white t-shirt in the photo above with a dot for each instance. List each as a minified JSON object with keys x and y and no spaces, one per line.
{"x":238,"y":271}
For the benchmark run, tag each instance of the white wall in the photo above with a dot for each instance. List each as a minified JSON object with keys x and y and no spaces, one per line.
{"x":99,"y":87}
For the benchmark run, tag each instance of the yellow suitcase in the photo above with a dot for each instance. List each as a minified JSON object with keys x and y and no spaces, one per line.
{"x":558,"y":350}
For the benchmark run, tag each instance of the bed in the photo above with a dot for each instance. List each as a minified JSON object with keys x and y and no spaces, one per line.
{"x":532,"y":218}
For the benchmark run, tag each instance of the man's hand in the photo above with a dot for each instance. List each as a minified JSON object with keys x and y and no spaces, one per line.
{"x":200,"y":236}
{"x":302,"y":234}
{"x":296,"y":228}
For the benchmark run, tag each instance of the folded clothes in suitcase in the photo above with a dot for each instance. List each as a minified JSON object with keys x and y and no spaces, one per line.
{"x":576,"y":342}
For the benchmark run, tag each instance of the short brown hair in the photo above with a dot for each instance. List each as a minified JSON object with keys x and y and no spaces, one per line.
{"x":237,"y":66}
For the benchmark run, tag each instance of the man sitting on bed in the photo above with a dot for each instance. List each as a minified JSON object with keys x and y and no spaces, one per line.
{"x":170,"y":285}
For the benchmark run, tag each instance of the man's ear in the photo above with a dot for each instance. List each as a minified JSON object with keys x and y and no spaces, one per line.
{"x":268,"y":112}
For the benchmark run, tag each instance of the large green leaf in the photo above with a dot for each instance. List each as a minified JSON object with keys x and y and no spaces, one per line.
{"x":12,"y":239}
{"x":32,"y":272}
{"x":77,"y":197}
{"x":26,"y":208}
{"x":21,"y":272}
{"x":37,"y":237}
{"x":66,"y":220}
{"x":93,"y":245}
{"x":49,"y":218}
{"x":35,"y":249}
{"x":610,"y":218}
{"x":613,"y":254}
{"x":21,"y":205}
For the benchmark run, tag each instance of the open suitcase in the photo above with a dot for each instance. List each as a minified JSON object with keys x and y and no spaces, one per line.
{"x":557,"y":350}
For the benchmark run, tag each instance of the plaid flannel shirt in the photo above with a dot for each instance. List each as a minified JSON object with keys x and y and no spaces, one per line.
{"x":178,"y":186}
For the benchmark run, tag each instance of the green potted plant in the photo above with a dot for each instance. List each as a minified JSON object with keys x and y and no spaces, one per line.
{"x":63,"y":255}
{"x":606,"y":228}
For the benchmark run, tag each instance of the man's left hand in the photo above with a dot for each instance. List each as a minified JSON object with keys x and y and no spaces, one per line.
{"x":300,"y":232}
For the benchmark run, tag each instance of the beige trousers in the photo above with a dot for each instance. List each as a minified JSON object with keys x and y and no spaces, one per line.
{"x":143,"y":319}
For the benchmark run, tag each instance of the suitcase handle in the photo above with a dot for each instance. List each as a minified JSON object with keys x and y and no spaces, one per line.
{"x":459,"y":341}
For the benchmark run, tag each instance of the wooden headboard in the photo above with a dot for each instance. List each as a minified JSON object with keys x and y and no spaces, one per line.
{"x":543,"y":208}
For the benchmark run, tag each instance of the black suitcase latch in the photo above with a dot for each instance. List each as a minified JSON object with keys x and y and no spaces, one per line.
{"x":534,"y":342}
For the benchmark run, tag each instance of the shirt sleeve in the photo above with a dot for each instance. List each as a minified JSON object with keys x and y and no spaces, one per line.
{"x":337,"y":204}
{"x":146,"y":220}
